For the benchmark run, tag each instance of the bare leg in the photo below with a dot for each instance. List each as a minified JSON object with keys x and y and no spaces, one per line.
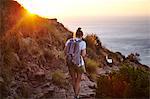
{"x":73,"y":78}
{"x":77,"y":83}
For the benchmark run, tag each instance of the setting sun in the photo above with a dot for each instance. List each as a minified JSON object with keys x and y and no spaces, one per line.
{"x":45,"y":9}
{"x":73,"y":8}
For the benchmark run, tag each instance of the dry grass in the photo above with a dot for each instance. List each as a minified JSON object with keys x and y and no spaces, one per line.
{"x":59,"y":79}
{"x":91,"y":66}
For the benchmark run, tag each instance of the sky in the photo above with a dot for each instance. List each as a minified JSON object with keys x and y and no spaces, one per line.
{"x":84,"y":8}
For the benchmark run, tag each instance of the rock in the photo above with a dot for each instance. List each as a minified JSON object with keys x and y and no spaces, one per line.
{"x":46,"y":91}
{"x":86,"y":91}
{"x":26,"y":41}
{"x":49,"y":93}
{"x":60,"y":93}
{"x":53,"y":21}
{"x":0,"y":54}
{"x":39,"y":96}
{"x":67,"y":75}
{"x":31,"y":46}
{"x":32,"y":67}
{"x":100,"y":71}
{"x":13,"y":84}
{"x":49,"y":77}
{"x":40,"y":75}
{"x":24,"y":90}
{"x":47,"y":85}
{"x":133,"y":57}
{"x":34,"y":71}
{"x":120,"y":56}
{"x":115,"y":68}
{"x":16,"y":57}
{"x":1,"y":80}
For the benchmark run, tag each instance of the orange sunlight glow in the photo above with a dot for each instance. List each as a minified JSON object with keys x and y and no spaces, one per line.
{"x":73,"y":8}
{"x":45,"y":8}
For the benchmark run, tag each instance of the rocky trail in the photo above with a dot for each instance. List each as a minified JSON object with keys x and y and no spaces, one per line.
{"x":37,"y":83}
{"x":48,"y":90}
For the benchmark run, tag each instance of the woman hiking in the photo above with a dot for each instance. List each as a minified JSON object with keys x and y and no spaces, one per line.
{"x":75,"y":49}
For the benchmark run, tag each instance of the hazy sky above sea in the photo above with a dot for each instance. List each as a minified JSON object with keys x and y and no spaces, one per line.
{"x":87,"y":8}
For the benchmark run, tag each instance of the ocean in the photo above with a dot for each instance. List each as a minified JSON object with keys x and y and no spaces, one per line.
{"x":124,"y":34}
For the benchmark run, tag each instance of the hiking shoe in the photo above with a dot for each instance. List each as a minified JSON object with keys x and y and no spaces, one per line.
{"x":77,"y":97}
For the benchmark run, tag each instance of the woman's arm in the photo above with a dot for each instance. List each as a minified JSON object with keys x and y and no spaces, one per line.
{"x":83,"y":53}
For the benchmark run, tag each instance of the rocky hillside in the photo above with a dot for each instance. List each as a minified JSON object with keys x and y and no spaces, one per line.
{"x":31,"y":49}
{"x":32,"y":61}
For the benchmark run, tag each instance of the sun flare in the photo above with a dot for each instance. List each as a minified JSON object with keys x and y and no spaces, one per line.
{"x":46,"y":8}
{"x":71,"y":8}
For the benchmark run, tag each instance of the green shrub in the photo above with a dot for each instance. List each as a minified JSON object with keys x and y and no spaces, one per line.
{"x":138,"y":79}
{"x":103,"y":87}
{"x":91,"y":66}
{"x":91,"y":53}
{"x":91,"y":41}
{"x":59,"y":79}
{"x":129,"y":82}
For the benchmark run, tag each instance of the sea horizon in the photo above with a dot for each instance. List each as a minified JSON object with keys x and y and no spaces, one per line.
{"x":118,"y":34}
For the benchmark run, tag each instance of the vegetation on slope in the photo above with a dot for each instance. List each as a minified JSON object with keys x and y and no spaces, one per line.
{"x":31,"y":48}
{"x":128,"y":82}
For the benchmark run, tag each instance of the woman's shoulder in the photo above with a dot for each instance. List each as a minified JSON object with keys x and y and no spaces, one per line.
{"x":67,"y":42}
{"x":83,"y":43}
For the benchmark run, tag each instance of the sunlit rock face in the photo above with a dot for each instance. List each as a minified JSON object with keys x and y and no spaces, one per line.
{"x":9,"y":8}
{"x":30,"y":49}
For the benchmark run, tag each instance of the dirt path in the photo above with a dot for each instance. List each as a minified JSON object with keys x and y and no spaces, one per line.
{"x":85,"y":91}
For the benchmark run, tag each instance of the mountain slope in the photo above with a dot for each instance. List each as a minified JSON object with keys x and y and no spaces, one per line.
{"x":32,"y":61}
{"x":31,"y":48}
